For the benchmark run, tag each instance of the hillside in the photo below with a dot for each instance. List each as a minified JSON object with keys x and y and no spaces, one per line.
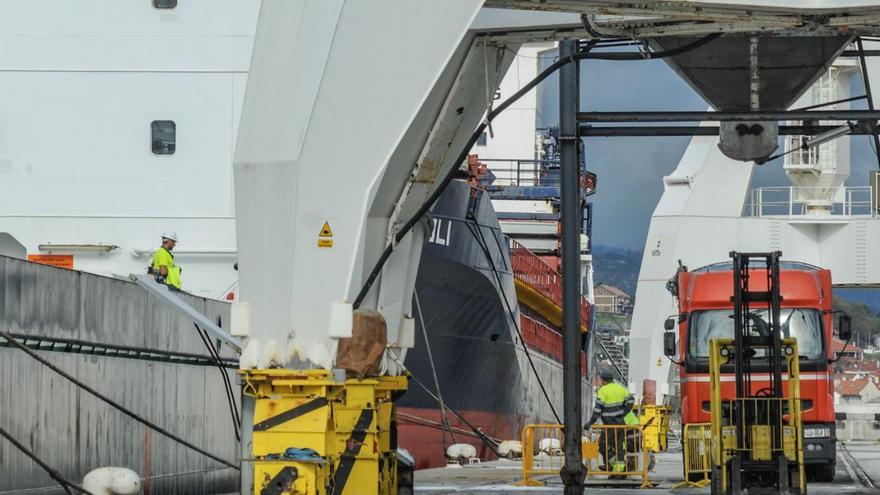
{"x":617,"y":267}
{"x":868,"y":297}
{"x":865,"y":323}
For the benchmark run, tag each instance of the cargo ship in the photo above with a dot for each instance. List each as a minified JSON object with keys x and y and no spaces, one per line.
{"x":488,"y":311}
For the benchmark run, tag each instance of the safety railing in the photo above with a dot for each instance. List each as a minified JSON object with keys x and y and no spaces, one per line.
{"x":523,"y":173}
{"x":798,"y":201}
{"x":531,"y":270}
{"x":697,"y":453}
{"x":543,"y":454}
{"x":621,"y":452}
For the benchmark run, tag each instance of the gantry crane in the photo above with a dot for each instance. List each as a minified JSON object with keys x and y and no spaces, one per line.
{"x":356,"y":114}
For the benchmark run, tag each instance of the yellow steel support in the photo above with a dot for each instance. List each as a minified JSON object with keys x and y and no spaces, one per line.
{"x":316,"y":436}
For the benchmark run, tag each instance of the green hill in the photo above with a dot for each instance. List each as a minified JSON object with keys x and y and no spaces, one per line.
{"x":617,"y":267}
{"x":865,"y":323}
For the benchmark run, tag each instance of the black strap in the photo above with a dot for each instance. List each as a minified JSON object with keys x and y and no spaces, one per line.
{"x":290,"y":414}
{"x":282,"y":482}
{"x":352,"y":447}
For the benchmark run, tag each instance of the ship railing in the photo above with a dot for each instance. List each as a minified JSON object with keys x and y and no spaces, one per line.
{"x":545,"y":340}
{"x":523,"y":173}
{"x":534,"y":272}
{"x":813,"y":202}
{"x":542,"y":446}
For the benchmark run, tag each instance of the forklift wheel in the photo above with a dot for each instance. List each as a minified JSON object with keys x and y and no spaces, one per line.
{"x":824,"y":473}
{"x":794,"y":489}
{"x":715,"y":486}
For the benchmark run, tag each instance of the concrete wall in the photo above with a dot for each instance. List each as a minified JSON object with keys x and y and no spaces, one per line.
{"x":74,"y":432}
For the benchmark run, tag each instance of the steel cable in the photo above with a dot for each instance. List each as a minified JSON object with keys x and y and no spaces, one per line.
{"x":489,"y":442}
{"x":481,"y":240}
{"x":114,"y":404}
{"x":444,"y":417}
{"x":462,"y":156}
{"x":55,"y":475}
{"x":230,"y":394}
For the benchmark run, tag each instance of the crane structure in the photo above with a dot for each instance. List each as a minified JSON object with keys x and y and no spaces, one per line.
{"x":709,"y":206}
{"x":355,"y":114}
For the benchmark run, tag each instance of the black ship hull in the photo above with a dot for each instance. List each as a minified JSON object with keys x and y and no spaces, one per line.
{"x":467,"y":313}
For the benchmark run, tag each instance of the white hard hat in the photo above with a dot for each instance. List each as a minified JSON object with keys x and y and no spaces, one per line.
{"x":170,"y":234}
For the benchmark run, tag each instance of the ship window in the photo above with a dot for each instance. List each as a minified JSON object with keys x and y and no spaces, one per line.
{"x":164,"y":4}
{"x":481,"y":141}
{"x":164,"y":137}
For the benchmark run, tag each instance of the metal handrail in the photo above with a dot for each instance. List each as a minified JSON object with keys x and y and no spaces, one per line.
{"x":784,"y":201}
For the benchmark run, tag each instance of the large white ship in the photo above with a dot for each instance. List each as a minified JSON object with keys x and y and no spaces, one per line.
{"x":118,"y":122}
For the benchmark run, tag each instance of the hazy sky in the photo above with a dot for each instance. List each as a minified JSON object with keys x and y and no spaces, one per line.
{"x":630,"y":169}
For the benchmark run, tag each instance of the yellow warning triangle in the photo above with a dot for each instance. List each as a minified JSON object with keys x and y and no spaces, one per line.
{"x":325,"y":230}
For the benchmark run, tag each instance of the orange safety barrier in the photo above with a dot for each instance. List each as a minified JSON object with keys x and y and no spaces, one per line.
{"x":542,"y":453}
{"x":622,"y":452}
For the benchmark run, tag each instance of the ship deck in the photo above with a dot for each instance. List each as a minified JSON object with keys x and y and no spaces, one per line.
{"x":497,"y":477}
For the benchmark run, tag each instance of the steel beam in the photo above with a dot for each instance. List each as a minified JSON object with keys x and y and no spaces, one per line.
{"x":171,"y":299}
{"x":743,"y":116}
{"x":573,"y":470}
{"x":665,"y":131}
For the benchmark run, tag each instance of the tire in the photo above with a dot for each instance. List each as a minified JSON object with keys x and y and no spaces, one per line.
{"x":824,"y":473}
{"x":715,"y":486}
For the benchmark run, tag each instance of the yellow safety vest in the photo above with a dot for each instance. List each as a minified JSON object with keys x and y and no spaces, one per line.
{"x":162,"y":257}
{"x":614,"y":401}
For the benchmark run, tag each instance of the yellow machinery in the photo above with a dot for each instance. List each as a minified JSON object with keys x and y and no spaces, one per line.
{"x":654,"y":420}
{"x":756,"y":444}
{"x":314,"y":435}
{"x":756,"y":422}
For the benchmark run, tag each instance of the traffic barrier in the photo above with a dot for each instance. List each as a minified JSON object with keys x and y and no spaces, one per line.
{"x":542,"y":452}
{"x":622,"y":452}
{"x":697,"y":451}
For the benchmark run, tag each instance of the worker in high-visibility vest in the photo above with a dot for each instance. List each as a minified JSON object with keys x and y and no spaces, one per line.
{"x":614,"y":406}
{"x":162,"y":266}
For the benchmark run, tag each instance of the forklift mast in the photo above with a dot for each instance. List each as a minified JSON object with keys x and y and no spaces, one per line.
{"x":748,"y":334}
{"x":759,"y":415}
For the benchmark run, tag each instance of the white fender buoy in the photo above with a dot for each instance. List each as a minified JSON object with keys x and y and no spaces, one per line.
{"x":510,"y":448}
{"x":550,"y":446}
{"x":461,"y":451}
{"x":112,"y":481}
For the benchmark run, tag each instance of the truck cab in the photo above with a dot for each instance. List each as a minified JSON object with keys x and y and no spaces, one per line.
{"x":705,"y":312}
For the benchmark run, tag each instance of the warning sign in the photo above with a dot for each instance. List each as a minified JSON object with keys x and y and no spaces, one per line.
{"x":325,"y":237}
{"x":57,"y":260}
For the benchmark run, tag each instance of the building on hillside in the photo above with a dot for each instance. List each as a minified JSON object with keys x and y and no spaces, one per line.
{"x":859,"y":391}
{"x":840,"y":349}
{"x":610,"y":299}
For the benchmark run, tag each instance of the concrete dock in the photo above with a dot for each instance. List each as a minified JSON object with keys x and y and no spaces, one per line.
{"x":854,"y":475}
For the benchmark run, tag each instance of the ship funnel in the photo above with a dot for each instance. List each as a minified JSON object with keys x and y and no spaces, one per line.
{"x":752,"y":72}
